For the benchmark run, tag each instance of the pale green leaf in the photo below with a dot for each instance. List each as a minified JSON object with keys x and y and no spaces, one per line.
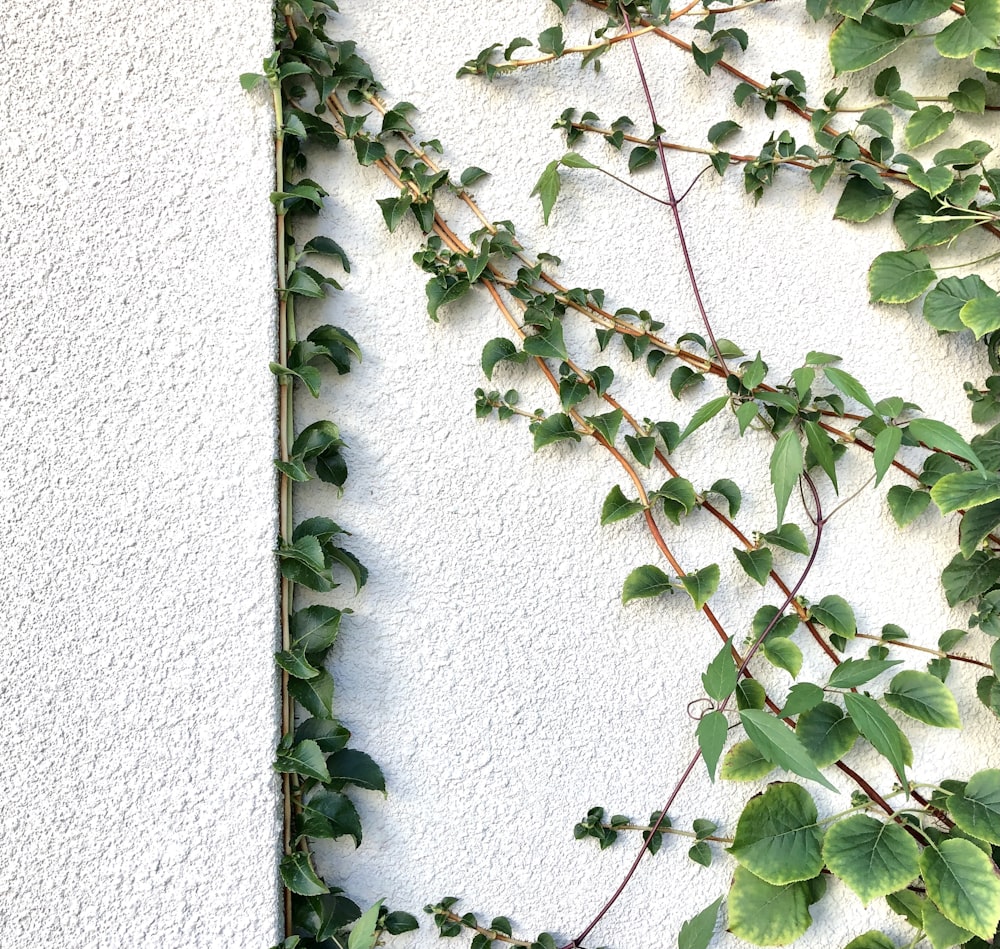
{"x":767,"y":915}
{"x":976,"y":808}
{"x":872,"y":857}
{"x":875,"y":724}
{"x":645,"y":581}
{"x":697,"y":932}
{"x":701,"y":584}
{"x":924,"y":697}
{"x":899,"y":276}
{"x":964,"y":884}
{"x":826,"y":733}
{"x":786,"y":467}
{"x":711,"y":733}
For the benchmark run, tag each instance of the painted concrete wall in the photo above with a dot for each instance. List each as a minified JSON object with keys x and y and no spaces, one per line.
{"x":489,"y":666}
{"x":137,"y":419}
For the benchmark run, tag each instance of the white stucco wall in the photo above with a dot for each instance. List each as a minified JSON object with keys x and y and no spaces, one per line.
{"x":489,"y":666}
{"x":137,"y":419}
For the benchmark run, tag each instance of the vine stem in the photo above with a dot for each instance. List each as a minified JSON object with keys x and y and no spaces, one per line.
{"x":285,"y":414}
{"x":672,"y":202}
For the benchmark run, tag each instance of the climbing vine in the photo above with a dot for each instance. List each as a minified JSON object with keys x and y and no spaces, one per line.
{"x":923,"y":842}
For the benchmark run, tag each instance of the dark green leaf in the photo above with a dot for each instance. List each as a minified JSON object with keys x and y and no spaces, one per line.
{"x":967,"y":577}
{"x":730,"y":491}
{"x":826,"y":733}
{"x":315,"y":628}
{"x":645,"y":581}
{"x":606,"y":425}
{"x":743,"y":762}
{"x":925,"y":698}
{"x":315,"y":694}
{"x":777,"y":838}
{"x":875,"y":724}
{"x":835,"y":613}
{"x":697,"y":932}
{"x":298,"y":875}
{"x":757,"y":563}
{"x":708,"y":411}
{"x":443,"y":290}
{"x":780,"y":745}
{"x":711,"y":732}
{"x":906,"y":504}
{"x":547,"y":188}
{"x":790,"y":537}
{"x":295,"y":664}
{"x":860,"y":200}
{"x":304,"y":758}
{"x":555,"y":428}
{"x":701,"y":584}
{"x":498,"y":350}
{"x":351,"y":766}
{"x":854,"y":672}
{"x":617,"y":507}
{"x":719,"y":679}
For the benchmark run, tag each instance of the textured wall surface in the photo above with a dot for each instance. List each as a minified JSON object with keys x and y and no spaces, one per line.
{"x":137,"y":419}
{"x":490,"y":666}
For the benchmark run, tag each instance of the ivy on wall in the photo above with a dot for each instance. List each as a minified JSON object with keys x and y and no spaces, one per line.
{"x":926,"y":847}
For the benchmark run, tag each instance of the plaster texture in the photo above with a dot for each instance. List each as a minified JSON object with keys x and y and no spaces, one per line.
{"x":138,"y":807}
{"x":490,"y":667}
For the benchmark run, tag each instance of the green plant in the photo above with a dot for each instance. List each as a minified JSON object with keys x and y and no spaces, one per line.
{"x":813,"y":418}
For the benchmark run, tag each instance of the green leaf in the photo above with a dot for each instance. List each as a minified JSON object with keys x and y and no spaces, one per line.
{"x":977,"y":523}
{"x":644,"y":582}
{"x":933,"y":181}
{"x":872,"y":939}
{"x":558,"y":427}
{"x":899,"y":276}
{"x":719,"y":679}
{"x":969,"y":97}
{"x":964,"y":884}
{"x":719,"y":132}
{"x":826,"y":733}
{"x":880,"y":120}
{"x":606,"y":425}
{"x":765,"y":617}
{"x":643,"y":447}
{"x":967,"y":577}
{"x":315,"y":628}
{"x":640,"y":157}
{"x":548,"y":344}
{"x":780,"y":745}
{"x":786,"y":467}
{"x":328,"y":734}
{"x":981,"y":314}
{"x":499,"y":350}
{"x":925,"y":698}
{"x":975,"y":31}
{"x":944,"y":304}
{"x":711,"y":733}
{"x":573,"y":160}
{"x":922,"y":221}
{"x":850,"y":386}
{"x":551,"y":40}
{"x":298,"y":875}
{"x":976,"y":808}
{"x":757,"y":563}
{"x":860,"y":200}
{"x":697,"y":932}
{"x":708,"y":411}
{"x":399,"y":922}
{"x":835,"y":613}
{"x":394,"y":210}
{"x":743,"y":762}
{"x":821,"y":446}
{"x":777,"y":838}
{"x":701,"y":584}
{"x":547,"y":188}
{"x":856,"y":44}
{"x":338,"y":811}
{"x":304,"y":758}
{"x":887,"y":443}
{"x":441,"y":291}
{"x":941,"y":931}
{"x":471,"y":175}
{"x":351,"y":766}
{"x":784,"y":654}
{"x":295,"y":664}
{"x":730,"y":491}
{"x":911,"y":12}
{"x":327,"y":248}
{"x":873,"y":858}
{"x":363,"y":933}
{"x":906,"y":504}
{"x":854,"y":672}
{"x":249,"y":80}
{"x":617,"y":507}
{"x":926,"y":124}
{"x":801,"y":698}
{"x":315,"y":694}
{"x":767,"y":915}
{"x":789,"y":537}
{"x":881,"y":731}
{"x":938,"y":435}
